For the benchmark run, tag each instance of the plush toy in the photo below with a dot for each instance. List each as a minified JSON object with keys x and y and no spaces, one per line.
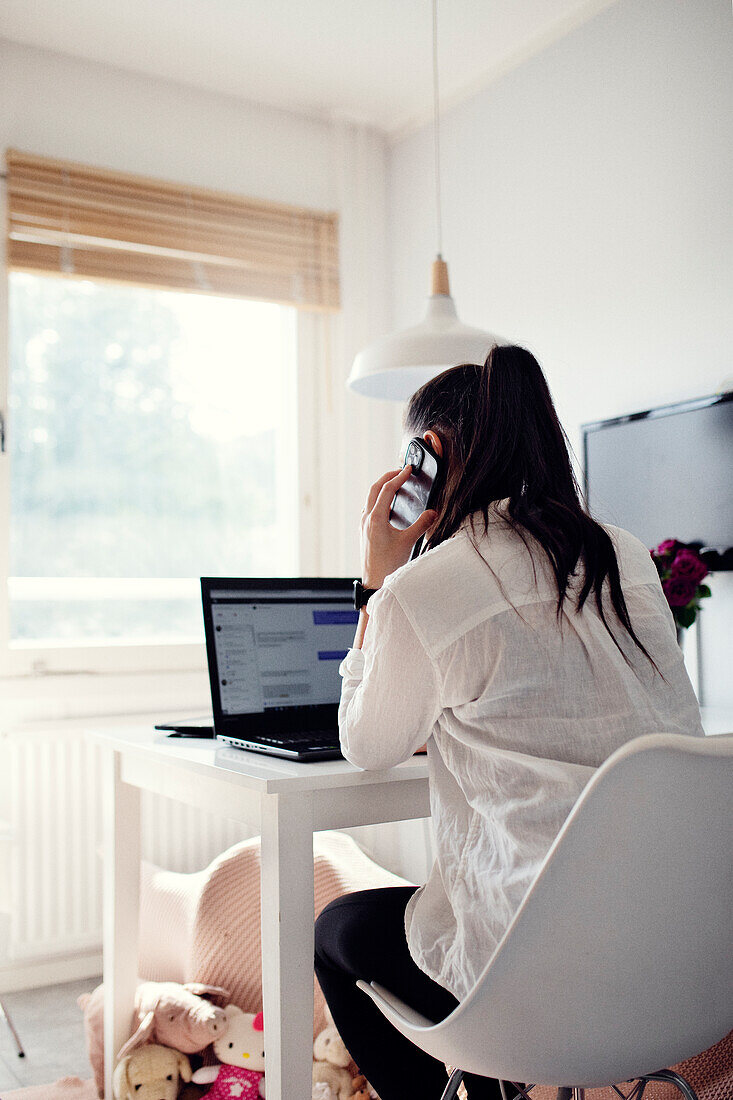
{"x":336,"y":1079}
{"x":152,"y":1072}
{"x":331,"y":1059}
{"x":328,"y":1046}
{"x":242,"y":1051}
{"x":174,"y":1015}
{"x":362,"y":1089}
{"x":322,"y":1091}
{"x":177,"y":1016}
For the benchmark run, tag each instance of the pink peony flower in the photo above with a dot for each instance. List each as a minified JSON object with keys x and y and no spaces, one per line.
{"x":688,"y":565}
{"x":666,"y":547}
{"x":679,"y":591}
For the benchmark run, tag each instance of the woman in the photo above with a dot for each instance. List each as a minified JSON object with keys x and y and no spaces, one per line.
{"x":526,"y":643}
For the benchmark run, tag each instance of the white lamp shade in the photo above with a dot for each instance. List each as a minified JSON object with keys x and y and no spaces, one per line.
{"x":394,"y":366}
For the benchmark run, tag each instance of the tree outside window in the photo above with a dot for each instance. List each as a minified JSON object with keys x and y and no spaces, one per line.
{"x":152,"y":442}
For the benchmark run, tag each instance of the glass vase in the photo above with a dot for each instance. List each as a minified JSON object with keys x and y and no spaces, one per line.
{"x":687,"y":640}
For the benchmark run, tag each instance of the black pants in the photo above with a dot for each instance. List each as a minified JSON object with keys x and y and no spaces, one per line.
{"x":362,"y":935}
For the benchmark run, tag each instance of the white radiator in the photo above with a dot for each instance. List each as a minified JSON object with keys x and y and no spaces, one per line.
{"x":54,"y":819}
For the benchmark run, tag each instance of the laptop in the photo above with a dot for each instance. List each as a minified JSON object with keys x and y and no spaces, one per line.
{"x":274,"y":647}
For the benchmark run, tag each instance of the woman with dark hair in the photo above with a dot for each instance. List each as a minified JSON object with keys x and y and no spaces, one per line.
{"x":525,"y":644}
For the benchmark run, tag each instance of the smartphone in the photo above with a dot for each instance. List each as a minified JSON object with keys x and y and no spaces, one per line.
{"x":421,"y":488}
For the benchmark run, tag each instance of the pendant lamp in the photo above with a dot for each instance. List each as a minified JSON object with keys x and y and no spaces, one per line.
{"x":394,"y":366}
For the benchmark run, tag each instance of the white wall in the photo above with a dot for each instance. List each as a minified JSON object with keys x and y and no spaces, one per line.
{"x":587,"y":216}
{"x":78,"y":110}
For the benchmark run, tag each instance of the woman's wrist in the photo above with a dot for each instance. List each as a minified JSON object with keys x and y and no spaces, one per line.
{"x":361,"y":628}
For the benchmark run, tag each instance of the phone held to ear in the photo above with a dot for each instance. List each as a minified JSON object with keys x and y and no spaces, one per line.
{"x":421,"y":488}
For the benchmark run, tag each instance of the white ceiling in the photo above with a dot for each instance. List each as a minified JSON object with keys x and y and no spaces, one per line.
{"x":368,"y":59}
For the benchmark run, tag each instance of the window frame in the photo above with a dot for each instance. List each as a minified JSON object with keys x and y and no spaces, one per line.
{"x":27,"y":660}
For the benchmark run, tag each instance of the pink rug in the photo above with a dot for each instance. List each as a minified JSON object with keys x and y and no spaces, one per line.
{"x":68,"y":1088}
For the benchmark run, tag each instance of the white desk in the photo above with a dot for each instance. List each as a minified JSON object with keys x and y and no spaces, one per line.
{"x":286,"y":803}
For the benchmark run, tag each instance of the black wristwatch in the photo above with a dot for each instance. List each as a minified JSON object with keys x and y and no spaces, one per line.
{"x":362,"y":594}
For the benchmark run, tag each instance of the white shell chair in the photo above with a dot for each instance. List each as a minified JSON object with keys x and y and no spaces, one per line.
{"x":619,"y":960}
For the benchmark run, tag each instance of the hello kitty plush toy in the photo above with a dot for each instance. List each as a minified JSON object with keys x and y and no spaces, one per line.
{"x":241,"y":1049}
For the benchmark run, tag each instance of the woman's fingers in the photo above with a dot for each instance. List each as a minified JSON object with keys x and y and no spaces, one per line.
{"x":422,"y":524}
{"x":384,"y":548}
{"x":374,"y":491}
{"x":386,"y":494}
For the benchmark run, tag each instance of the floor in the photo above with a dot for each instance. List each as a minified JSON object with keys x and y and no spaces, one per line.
{"x":51,"y":1029}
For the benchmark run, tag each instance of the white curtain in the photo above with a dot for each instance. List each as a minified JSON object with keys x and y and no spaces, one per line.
{"x":347,"y":441}
{"x":351,"y":439}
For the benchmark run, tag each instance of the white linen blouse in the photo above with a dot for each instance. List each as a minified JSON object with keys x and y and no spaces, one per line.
{"x":464,"y":650}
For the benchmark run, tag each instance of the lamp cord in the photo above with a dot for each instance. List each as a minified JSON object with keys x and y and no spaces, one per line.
{"x":436,"y":128}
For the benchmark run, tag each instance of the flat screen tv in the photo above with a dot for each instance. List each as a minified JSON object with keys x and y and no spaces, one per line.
{"x":665,"y":473}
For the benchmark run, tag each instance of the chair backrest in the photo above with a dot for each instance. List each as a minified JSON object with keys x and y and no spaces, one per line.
{"x":620,"y":958}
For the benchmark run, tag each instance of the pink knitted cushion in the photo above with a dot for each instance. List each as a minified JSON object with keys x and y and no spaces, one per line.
{"x":226,"y":948}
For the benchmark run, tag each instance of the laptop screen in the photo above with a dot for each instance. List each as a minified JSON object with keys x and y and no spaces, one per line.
{"x":276,"y":646}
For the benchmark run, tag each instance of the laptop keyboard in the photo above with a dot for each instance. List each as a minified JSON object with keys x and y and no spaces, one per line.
{"x":314,"y":739}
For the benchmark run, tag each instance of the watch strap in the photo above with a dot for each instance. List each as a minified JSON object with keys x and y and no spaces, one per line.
{"x":362,"y":595}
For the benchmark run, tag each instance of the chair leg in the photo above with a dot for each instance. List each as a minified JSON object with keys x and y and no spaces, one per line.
{"x":16,"y":1038}
{"x":636,"y":1093}
{"x":564,"y":1094}
{"x":451,"y":1089}
{"x":672,"y":1078}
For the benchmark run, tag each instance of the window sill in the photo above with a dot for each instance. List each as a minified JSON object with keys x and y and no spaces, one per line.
{"x":105,"y":658}
{"x":49,"y":697}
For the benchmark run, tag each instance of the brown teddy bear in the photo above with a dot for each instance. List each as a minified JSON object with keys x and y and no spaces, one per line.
{"x":362,"y":1089}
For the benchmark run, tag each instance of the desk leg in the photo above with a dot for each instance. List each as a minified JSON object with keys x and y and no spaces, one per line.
{"x":121,"y":903}
{"x":287,"y":944}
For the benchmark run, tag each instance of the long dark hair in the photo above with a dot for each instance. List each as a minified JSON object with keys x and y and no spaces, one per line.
{"x":502,"y":438}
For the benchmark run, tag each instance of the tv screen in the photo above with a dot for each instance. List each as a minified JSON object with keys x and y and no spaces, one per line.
{"x":666,"y":472}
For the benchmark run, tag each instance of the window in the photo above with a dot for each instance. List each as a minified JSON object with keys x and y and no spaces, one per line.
{"x":151,"y":442}
{"x":153,"y":404}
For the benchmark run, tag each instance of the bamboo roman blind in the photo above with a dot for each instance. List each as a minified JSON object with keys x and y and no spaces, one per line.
{"x":70,"y":219}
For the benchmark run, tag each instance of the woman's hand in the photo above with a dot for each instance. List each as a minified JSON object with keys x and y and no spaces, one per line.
{"x":383,"y":547}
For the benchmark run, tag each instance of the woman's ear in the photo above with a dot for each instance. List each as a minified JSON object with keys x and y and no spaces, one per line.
{"x":435,"y":441}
